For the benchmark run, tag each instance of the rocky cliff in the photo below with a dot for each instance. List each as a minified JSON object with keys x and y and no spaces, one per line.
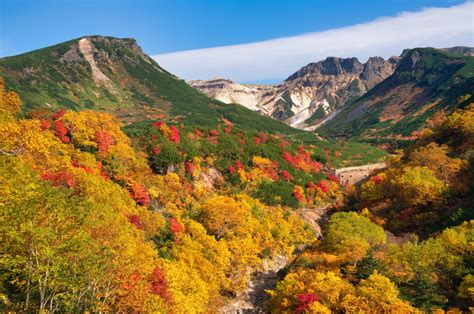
{"x":309,"y":95}
{"x":230,"y":92}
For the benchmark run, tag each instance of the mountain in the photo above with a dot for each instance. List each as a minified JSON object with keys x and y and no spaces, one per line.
{"x":466,"y":51}
{"x":169,"y":218}
{"x":115,"y":75}
{"x":230,"y":92}
{"x":425,"y":81}
{"x":309,"y":95}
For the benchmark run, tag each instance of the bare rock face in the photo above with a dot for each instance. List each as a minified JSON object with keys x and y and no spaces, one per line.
{"x":377,"y":69}
{"x":310,"y":95}
{"x":231,"y":92}
{"x":87,"y":50}
{"x":254,"y":298}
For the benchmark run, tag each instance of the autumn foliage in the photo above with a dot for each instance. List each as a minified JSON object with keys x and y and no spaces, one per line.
{"x":108,"y":233}
{"x":162,"y":217}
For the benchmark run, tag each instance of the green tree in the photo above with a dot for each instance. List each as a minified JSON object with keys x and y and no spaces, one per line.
{"x":48,"y":259}
{"x":416,"y":186}
{"x":466,"y":290}
{"x":423,"y":293}
{"x":168,"y":156}
{"x":275,"y":193}
{"x":367,"y":265}
{"x":351,"y":235}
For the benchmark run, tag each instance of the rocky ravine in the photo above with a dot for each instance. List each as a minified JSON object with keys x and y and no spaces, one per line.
{"x":309,"y":95}
{"x":255,"y":298}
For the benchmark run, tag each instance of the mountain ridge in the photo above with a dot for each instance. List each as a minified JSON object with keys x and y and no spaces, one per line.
{"x":309,"y":94}
{"x":315,"y":94}
{"x":426,"y":81}
{"x":114,"y":75}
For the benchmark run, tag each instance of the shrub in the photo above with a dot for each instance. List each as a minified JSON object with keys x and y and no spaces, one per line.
{"x":276,"y":193}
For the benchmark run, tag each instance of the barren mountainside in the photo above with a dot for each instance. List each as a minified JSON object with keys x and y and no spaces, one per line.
{"x":233,"y":93}
{"x":309,"y":95}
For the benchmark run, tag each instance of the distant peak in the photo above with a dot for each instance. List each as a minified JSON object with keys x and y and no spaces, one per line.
{"x":466,"y":51}
{"x":114,"y":40}
{"x":375,"y":59}
{"x":330,"y":66}
{"x":212,"y":81}
{"x":218,"y":78}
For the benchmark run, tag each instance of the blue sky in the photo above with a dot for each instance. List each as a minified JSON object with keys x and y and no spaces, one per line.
{"x":163,"y":27}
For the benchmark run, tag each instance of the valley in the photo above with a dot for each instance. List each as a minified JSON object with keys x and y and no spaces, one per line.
{"x":346,"y":188}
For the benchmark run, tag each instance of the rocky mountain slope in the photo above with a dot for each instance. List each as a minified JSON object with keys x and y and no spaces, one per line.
{"x":425,"y":81}
{"x":114,"y":75}
{"x":314,"y":94}
{"x":309,"y":95}
{"x":231,"y":92}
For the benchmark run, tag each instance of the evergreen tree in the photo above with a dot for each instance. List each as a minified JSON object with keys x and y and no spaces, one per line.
{"x":422,"y":293}
{"x":367,"y":265}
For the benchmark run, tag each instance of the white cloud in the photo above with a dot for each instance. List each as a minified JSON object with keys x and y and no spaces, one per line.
{"x":278,"y":58}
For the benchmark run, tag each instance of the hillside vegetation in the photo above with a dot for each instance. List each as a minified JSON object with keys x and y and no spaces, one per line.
{"x":425,"y":81}
{"x":134,"y":88}
{"x":122,"y":189}
{"x":173,"y":219}
{"x":138,"y":91}
{"x":424,"y":259}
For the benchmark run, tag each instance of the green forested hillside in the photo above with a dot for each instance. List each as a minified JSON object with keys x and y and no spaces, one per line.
{"x":135,"y":87}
